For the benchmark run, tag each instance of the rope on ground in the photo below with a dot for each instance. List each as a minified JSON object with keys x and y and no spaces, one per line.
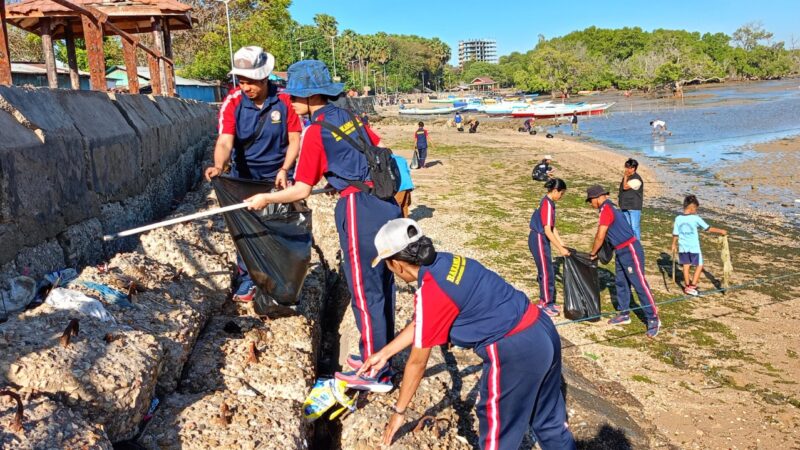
{"x":682,"y":298}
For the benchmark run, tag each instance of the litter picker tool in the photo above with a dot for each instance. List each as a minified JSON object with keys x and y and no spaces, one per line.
{"x":190,"y":217}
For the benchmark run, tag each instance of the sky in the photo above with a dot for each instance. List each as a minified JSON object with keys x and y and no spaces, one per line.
{"x":516,"y":28}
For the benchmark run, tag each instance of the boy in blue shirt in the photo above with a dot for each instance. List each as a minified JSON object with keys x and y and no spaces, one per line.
{"x":687,"y":241}
{"x":403,"y":195}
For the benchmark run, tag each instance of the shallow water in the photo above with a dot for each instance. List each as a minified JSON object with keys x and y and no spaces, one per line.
{"x":708,"y":127}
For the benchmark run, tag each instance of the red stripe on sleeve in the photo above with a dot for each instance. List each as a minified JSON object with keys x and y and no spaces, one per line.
{"x":606,"y":215}
{"x":312,"y":162}
{"x":434,"y":314}
{"x":227,"y":116}
{"x":293,"y":123}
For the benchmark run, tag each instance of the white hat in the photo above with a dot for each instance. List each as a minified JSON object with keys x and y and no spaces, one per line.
{"x":548,"y":157}
{"x":253,"y":63}
{"x":393,"y":238}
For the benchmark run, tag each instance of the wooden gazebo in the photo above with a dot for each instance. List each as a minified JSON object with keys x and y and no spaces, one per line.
{"x":66,"y":19}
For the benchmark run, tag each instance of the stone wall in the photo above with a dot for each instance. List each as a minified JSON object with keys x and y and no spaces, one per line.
{"x":75,"y":165}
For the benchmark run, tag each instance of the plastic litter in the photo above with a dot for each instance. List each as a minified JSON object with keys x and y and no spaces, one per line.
{"x":581,"y":286}
{"x":327,"y":393}
{"x":415,"y":160}
{"x":61,"y":298}
{"x":109,"y":294}
{"x":21,"y":293}
{"x":61,"y":277}
{"x":275,"y":243}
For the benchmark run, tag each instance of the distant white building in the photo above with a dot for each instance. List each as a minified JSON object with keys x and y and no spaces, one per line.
{"x":477,"y":50}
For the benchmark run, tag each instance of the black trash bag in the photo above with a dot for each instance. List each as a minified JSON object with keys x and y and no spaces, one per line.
{"x":274,"y":243}
{"x":581,"y":287}
{"x":606,"y":252}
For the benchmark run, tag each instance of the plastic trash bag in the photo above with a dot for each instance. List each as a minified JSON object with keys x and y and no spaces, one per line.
{"x":581,"y":287}
{"x":326,"y":393}
{"x":22,"y":292}
{"x":61,"y":298}
{"x":415,"y":160}
{"x":274,"y":243}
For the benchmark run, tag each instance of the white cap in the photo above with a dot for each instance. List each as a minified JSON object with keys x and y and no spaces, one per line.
{"x":548,"y":156}
{"x":252,"y":62}
{"x":393,"y":238}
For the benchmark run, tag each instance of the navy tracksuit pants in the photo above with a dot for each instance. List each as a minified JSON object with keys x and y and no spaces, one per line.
{"x":359,"y":216}
{"x":630,"y":272}
{"x":540,"y":249}
{"x":423,"y":155}
{"x":520,"y":390}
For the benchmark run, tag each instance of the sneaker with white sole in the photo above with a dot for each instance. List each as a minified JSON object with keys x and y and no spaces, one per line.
{"x":380,"y":384}
{"x":690,"y":290}
{"x":620,"y":319}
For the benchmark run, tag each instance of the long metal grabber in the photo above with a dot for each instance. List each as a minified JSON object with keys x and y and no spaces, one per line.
{"x":190,"y":217}
{"x":103,"y":19}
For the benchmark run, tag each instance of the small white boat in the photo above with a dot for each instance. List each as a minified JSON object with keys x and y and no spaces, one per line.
{"x":551,"y":110}
{"x":430,"y":111}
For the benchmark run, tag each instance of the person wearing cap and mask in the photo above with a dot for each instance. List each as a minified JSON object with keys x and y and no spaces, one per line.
{"x":460,"y":301}
{"x":629,"y":260}
{"x":259,"y":135}
{"x":359,"y":214}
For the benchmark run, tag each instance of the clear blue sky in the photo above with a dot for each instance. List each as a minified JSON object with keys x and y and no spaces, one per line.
{"x":516,"y":27}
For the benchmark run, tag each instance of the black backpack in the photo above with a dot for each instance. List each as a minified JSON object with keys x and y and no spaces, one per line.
{"x":383,"y":168}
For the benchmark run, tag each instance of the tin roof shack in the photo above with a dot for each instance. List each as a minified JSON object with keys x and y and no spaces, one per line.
{"x":184,"y":87}
{"x":35,"y":74}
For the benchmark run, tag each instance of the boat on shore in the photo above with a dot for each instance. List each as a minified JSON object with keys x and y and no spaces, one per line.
{"x":430,"y":111}
{"x":551,"y":110}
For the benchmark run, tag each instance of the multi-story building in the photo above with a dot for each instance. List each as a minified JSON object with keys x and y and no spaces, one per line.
{"x":477,"y":50}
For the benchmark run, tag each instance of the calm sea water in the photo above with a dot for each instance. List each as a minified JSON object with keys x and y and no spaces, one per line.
{"x":709,"y":126}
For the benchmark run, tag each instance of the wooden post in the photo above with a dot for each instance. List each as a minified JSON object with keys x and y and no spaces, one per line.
{"x":158,"y":40}
{"x":72,"y":59}
{"x":129,"y":54}
{"x":93,"y":35}
{"x":168,"y":53}
{"x":5,"y":56}
{"x":49,"y":54}
{"x":155,"y":79}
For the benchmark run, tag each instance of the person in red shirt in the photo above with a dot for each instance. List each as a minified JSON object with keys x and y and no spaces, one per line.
{"x":259,"y":135}
{"x":359,"y":214}
{"x":460,"y":301}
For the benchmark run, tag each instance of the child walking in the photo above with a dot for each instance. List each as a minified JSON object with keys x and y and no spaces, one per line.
{"x":543,"y":234}
{"x":686,"y":240}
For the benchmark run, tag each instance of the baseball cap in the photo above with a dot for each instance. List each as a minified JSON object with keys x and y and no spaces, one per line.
{"x":252,"y":62}
{"x":595,"y":191}
{"x":393,"y":238}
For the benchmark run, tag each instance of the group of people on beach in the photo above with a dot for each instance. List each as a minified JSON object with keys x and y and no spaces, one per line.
{"x":457,"y":300}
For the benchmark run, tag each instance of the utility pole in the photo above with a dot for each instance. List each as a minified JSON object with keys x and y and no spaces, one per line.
{"x":230,"y":41}
{"x":333,"y":50}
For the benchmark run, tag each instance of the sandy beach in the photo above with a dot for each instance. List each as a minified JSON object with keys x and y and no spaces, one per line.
{"x":722,"y":374}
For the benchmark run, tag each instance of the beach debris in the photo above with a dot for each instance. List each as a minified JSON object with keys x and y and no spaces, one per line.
{"x":72,"y":300}
{"x":21,"y":293}
{"x":46,"y":424}
{"x":71,"y":330}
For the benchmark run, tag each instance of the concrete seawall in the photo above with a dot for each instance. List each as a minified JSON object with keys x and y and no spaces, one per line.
{"x":77,"y":164}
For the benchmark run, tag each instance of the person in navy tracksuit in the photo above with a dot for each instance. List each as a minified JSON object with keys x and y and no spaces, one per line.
{"x":629,"y":260}
{"x":460,"y":301}
{"x":421,"y":143}
{"x":543,"y":233}
{"x":358,"y":214}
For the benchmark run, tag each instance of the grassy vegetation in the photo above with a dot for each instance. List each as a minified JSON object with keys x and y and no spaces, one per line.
{"x":642,"y":379}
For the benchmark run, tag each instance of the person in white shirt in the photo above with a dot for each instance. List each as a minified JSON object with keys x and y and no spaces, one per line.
{"x":659,"y":127}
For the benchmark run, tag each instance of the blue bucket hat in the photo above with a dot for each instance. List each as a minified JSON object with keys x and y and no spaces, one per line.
{"x":310,"y":77}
